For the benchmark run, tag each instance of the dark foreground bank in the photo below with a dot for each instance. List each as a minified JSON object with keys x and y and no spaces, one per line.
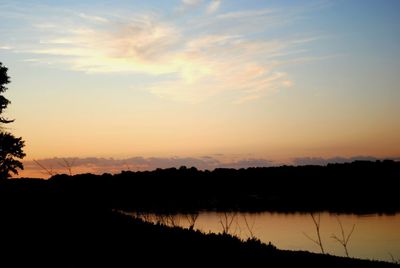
{"x":59,"y":235}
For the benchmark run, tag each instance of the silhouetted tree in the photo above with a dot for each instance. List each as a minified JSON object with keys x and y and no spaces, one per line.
{"x":10,"y":146}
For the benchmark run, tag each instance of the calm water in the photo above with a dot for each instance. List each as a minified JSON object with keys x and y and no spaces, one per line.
{"x":374,"y":236}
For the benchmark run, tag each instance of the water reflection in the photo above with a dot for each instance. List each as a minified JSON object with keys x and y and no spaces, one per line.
{"x":374,"y":236}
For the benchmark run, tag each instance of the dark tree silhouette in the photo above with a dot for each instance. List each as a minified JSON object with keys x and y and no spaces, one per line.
{"x":4,"y":79}
{"x":10,"y":146}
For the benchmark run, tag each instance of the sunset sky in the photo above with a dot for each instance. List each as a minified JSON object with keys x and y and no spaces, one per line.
{"x":216,"y":80}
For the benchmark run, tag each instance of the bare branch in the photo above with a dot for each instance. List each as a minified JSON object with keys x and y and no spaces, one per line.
{"x":249,"y":227}
{"x":67,"y":164}
{"x":161,"y":219}
{"x":393,"y":259}
{"x":312,"y":239}
{"x":317,"y":223}
{"x":172,"y":220}
{"x":47,"y":171}
{"x":343,"y":240}
{"x":351,"y":232}
{"x":226,"y":222}
{"x":192,"y":218}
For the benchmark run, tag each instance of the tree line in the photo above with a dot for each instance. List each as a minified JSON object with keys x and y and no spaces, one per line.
{"x":358,"y":187}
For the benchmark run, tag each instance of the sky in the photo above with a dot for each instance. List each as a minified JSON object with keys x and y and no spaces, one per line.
{"x":237,"y":83}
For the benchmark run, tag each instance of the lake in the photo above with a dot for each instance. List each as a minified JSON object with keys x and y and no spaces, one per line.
{"x":374,"y":236}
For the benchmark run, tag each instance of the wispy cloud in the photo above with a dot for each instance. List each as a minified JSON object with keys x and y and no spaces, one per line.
{"x":199,"y":63}
{"x":213,"y":6}
{"x":246,"y":14}
{"x":208,"y":67}
{"x":191,"y":2}
{"x":188,"y":5}
{"x":93,"y":18}
{"x":134,"y":45}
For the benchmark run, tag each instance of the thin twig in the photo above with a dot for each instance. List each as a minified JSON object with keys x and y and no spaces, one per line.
{"x":47,"y":171}
{"x":249,"y":228}
{"x":68,"y":165}
{"x":226,"y":222}
{"x":393,"y":259}
{"x":192,"y":218}
{"x":317,"y":223}
{"x":172,"y":220}
{"x":344,"y":240}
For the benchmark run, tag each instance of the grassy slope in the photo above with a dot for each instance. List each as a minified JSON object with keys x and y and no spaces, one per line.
{"x":67,"y":236}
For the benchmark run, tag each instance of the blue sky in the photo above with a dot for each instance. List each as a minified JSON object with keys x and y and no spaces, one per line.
{"x":270,"y":80}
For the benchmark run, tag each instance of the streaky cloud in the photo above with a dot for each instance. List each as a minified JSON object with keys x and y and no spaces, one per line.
{"x":96,"y":165}
{"x":93,"y":18}
{"x":324,"y":161}
{"x":213,"y":6}
{"x":191,"y":2}
{"x":246,"y":14}
{"x":5,"y":47}
{"x":186,"y":65}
